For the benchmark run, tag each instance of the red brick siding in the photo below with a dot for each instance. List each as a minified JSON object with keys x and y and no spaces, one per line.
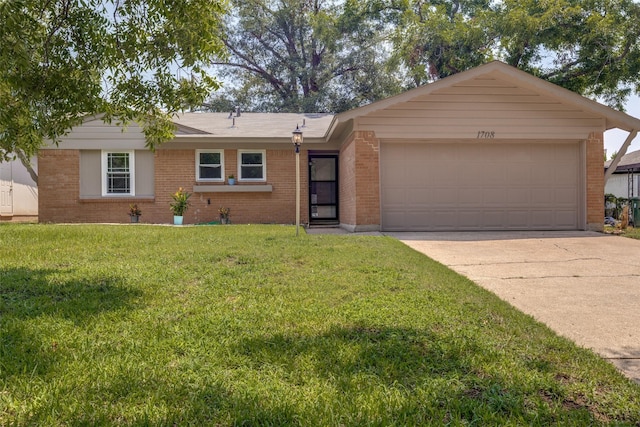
{"x":368,"y":179}
{"x":59,"y":196}
{"x":595,"y":181}
{"x":347,"y":184}
{"x":59,"y":186}
{"x":360,"y":181}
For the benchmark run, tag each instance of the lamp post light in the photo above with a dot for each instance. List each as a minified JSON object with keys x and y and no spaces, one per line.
{"x":296,"y":139}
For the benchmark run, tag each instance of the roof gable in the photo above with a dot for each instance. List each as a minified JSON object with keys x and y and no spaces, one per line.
{"x":503,"y":84}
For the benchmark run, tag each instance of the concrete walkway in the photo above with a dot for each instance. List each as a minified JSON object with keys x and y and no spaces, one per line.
{"x":583,"y":285}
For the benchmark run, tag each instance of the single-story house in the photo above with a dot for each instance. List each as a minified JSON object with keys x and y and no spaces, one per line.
{"x":625,"y":181}
{"x":492,"y":148}
{"x":18,"y":192}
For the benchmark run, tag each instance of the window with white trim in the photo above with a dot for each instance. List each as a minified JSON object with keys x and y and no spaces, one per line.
{"x":118,"y":178}
{"x":209,"y":165}
{"x":252,"y":165}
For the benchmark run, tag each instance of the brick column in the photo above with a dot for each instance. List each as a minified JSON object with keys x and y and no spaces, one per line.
{"x":360,"y":182}
{"x":595,"y":182}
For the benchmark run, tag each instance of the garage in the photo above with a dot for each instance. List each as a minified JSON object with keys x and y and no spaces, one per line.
{"x":480,"y":185}
{"x":490,"y":148}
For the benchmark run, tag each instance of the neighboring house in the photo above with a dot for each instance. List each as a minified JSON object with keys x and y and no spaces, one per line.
{"x":492,"y":148}
{"x":625,"y":181}
{"x":18,"y":192}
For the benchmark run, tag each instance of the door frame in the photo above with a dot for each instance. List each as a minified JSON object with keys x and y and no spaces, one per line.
{"x":325,"y":155}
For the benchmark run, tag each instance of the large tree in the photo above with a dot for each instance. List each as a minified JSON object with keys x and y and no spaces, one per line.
{"x":304,"y":56}
{"x":61,"y":60}
{"x":588,"y":46}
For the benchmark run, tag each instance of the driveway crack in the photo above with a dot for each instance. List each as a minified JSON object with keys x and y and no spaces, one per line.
{"x":556,"y":276}
{"x":527,"y":262}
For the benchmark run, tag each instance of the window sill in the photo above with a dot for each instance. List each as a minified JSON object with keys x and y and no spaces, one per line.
{"x":262,"y":188}
{"x":112,"y":199}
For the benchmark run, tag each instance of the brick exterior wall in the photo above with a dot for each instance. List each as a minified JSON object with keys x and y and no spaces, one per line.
{"x":59,"y":186}
{"x":359,"y":188}
{"x":360,"y":182}
{"x":347,"y":184}
{"x":595,"y":181}
{"x":60,"y":202}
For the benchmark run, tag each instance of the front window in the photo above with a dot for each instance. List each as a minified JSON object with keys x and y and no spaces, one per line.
{"x":209,"y":165}
{"x":117,"y":173}
{"x":252,"y":165}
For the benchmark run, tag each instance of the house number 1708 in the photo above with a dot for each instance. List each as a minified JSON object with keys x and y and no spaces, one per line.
{"x":486,"y":134}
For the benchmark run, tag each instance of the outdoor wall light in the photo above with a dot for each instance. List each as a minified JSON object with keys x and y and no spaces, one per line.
{"x":296,"y":139}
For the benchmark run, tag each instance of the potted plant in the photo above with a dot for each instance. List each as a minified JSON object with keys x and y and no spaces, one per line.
{"x":232,"y":179}
{"x":224,"y":215}
{"x":179,"y":205}
{"x":134,"y":212}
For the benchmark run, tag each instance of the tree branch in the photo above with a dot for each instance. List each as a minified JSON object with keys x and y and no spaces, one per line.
{"x":27,"y":164}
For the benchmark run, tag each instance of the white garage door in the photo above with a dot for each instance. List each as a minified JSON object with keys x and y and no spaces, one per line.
{"x":480,"y":186}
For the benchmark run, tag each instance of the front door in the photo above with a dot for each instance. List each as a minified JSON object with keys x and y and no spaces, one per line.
{"x":323,"y":188}
{"x":6,"y":189}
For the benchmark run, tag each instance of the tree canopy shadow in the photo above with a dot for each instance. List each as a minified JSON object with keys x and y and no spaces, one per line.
{"x":442,"y":377}
{"x":28,"y":294}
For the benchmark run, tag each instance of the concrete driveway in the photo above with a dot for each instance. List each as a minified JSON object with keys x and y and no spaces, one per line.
{"x":583,"y":285}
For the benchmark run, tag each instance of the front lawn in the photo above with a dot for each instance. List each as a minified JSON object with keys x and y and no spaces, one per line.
{"x":249,"y":325}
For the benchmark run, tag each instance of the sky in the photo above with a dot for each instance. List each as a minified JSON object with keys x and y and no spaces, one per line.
{"x":613,"y":139}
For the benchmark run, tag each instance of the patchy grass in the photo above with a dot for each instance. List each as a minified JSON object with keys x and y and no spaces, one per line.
{"x":631,"y":232}
{"x":147,"y":325}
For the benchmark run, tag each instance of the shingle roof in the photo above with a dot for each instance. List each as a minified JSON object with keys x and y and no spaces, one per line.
{"x":629,"y":161}
{"x":252,"y":125}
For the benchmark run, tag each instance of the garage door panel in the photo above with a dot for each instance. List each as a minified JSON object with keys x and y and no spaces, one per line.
{"x":470,"y":218}
{"x":542,"y":196}
{"x":440,"y":218}
{"x":470,"y":186}
{"x":518,"y":219}
{"x":518,"y":197}
{"x":566,"y":196}
{"x":543,"y":177}
{"x":395,"y":220}
{"x":517,"y":176}
{"x":518,"y":154}
{"x":419,"y":196}
{"x":565,"y":218}
{"x":493,"y":197}
{"x":567,"y":176}
{"x":395,"y":196}
{"x":445,"y":196}
{"x":541,"y":218}
{"x":493,"y":219}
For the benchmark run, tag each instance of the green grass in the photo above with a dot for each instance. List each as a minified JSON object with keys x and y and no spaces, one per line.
{"x":249,"y":325}
{"x":632,"y":232}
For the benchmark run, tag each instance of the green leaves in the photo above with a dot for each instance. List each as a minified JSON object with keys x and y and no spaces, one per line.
{"x":303,"y":56}
{"x":133,"y":60}
{"x":590,"y":47}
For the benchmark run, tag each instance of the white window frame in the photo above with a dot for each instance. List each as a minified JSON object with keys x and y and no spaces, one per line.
{"x":132,"y":173}
{"x":264,"y":165}
{"x":221,"y":179}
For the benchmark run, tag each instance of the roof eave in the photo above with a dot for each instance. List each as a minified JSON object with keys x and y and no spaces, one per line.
{"x":242,"y":140}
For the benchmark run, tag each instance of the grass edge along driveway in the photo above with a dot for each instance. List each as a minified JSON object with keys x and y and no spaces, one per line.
{"x":230,"y":325}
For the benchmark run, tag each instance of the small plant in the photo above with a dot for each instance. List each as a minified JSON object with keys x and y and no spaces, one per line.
{"x":224,"y":212}
{"x":134,"y":210}
{"x":232,"y":176}
{"x":180,"y":202}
